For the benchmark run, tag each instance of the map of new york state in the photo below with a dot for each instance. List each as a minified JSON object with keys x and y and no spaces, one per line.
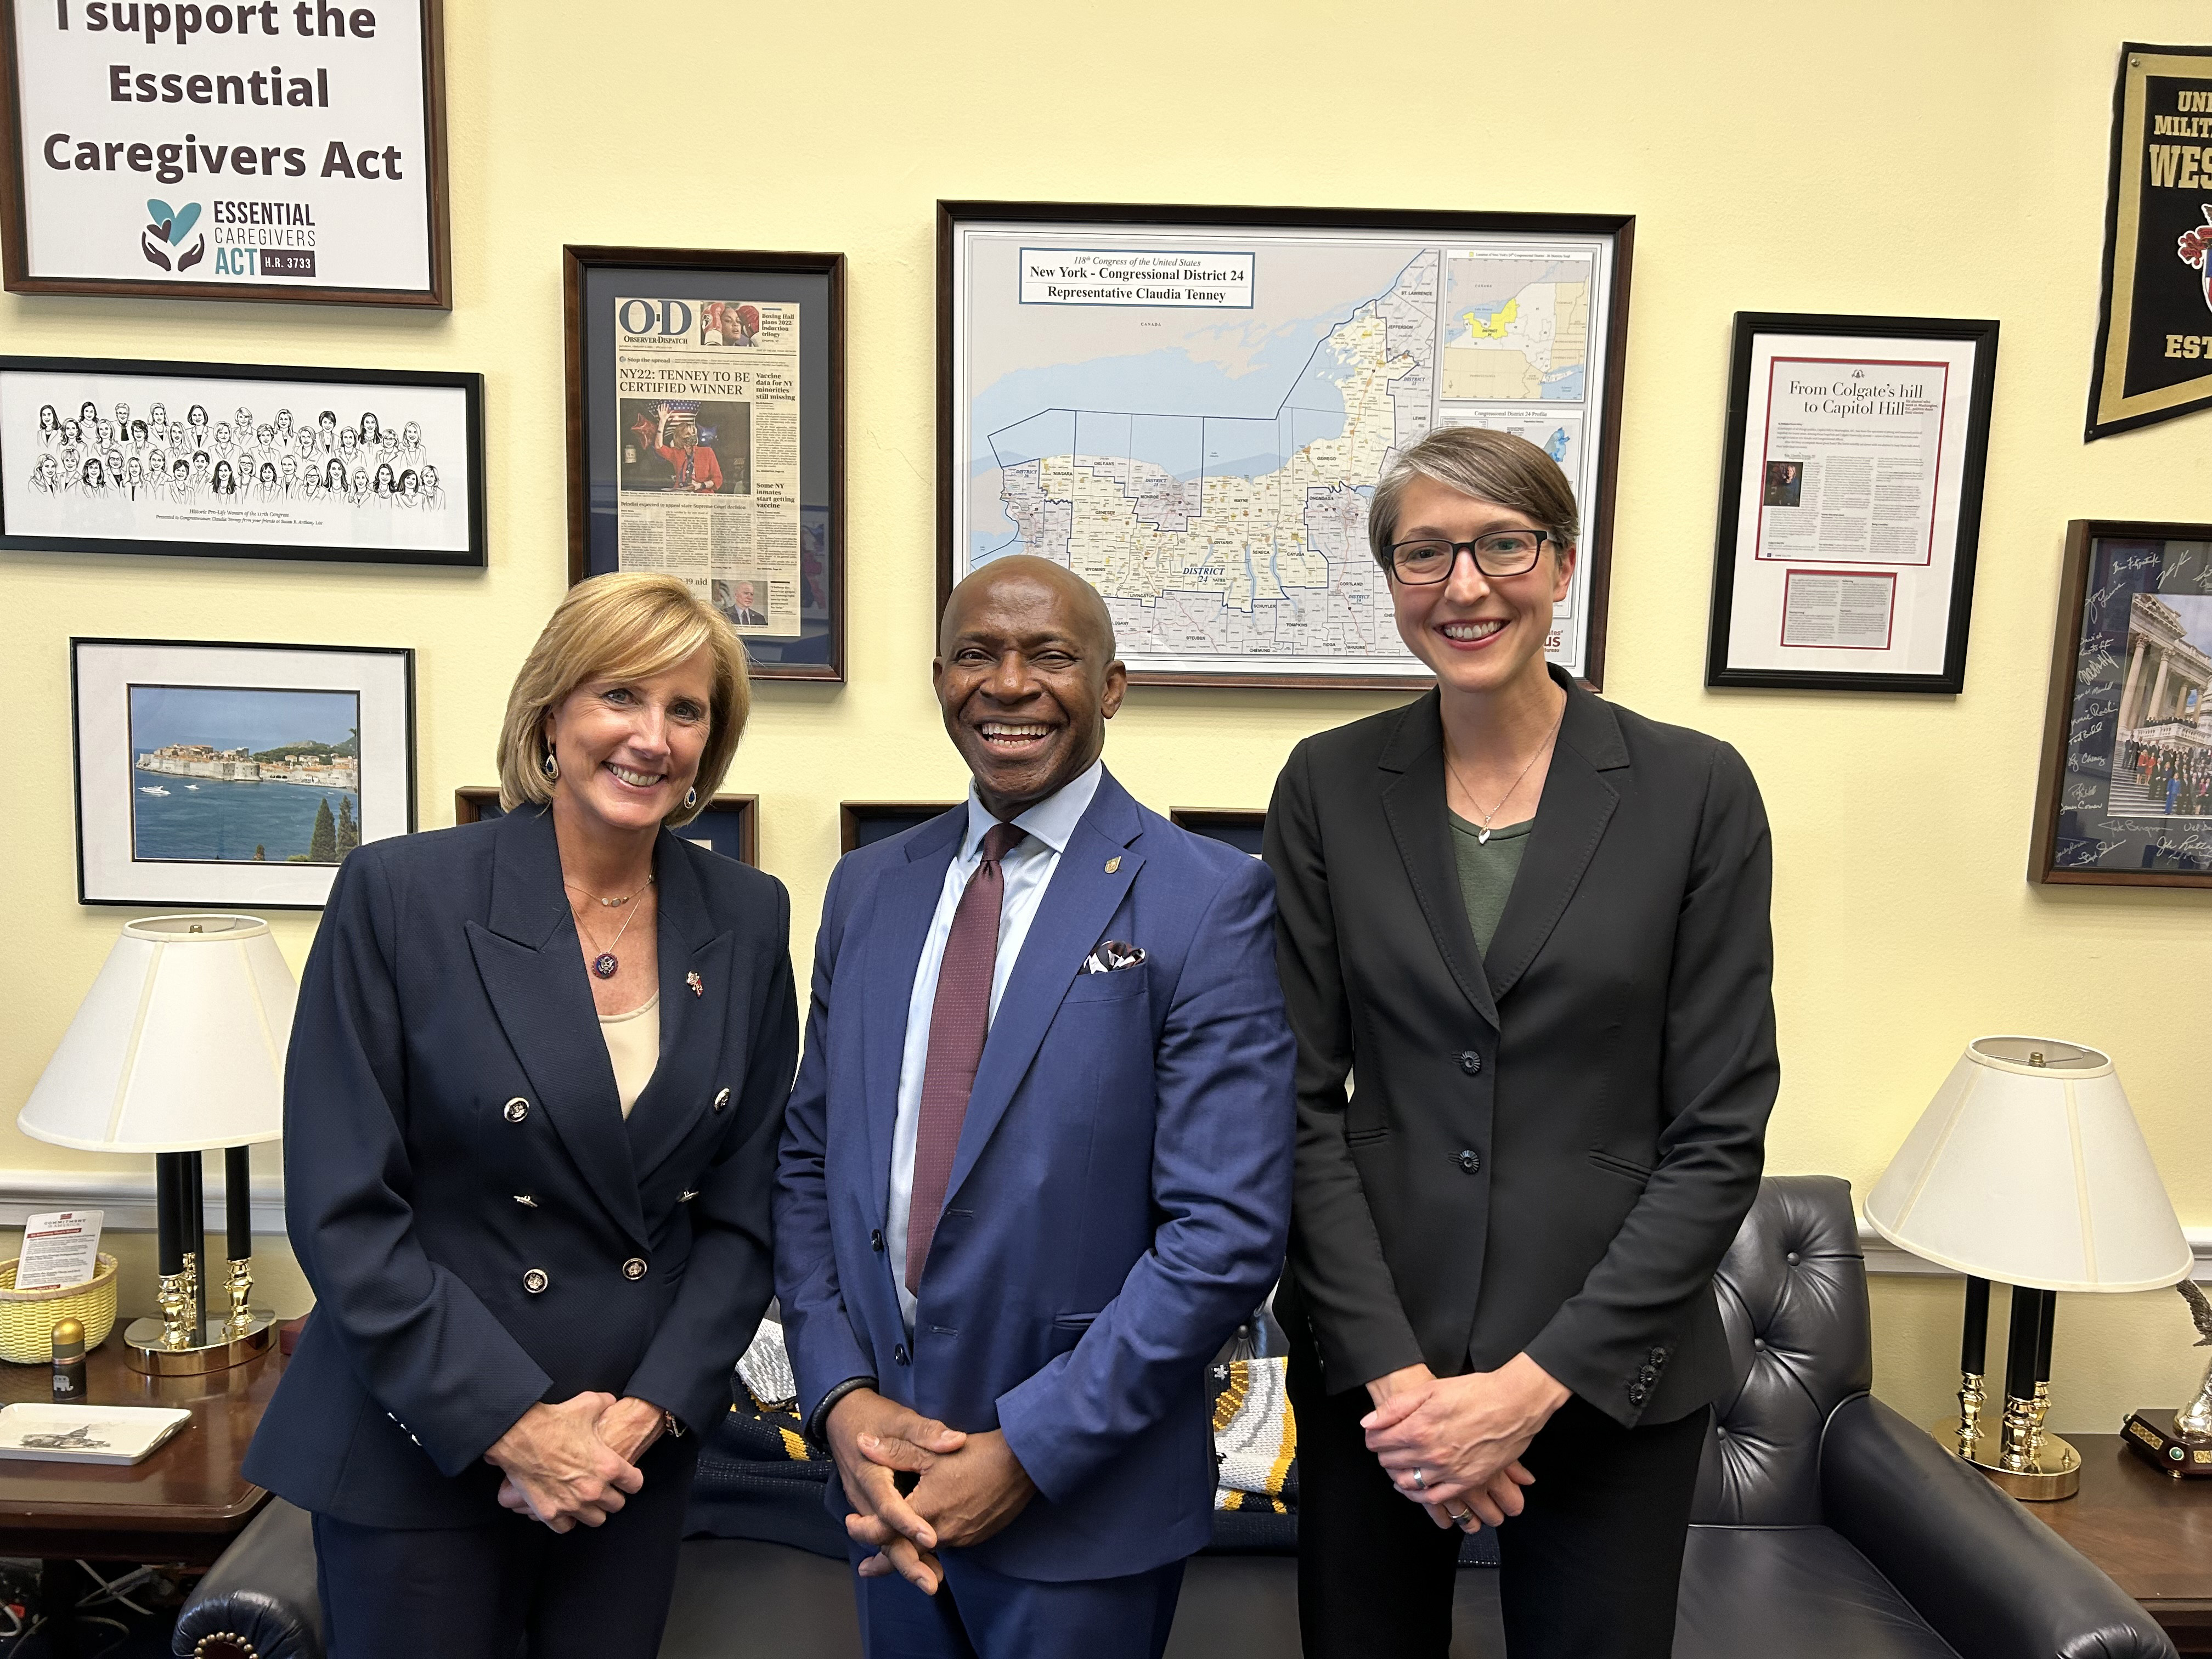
{"x":1254,"y":561}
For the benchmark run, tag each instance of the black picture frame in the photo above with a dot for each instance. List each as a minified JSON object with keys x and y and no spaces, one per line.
{"x":1240,"y":827}
{"x":862,"y":822}
{"x":729,"y":826}
{"x":137,"y":372}
{"x":1605,"y":376}
{"x":110,"y":873}
{"x":591,"y":279}
{"x":1750,"y":327}
{"x":437,"y":229}
{"x":2128,"y":685}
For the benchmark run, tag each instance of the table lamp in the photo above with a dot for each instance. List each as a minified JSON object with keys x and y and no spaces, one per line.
{"x":178,"y":1049}
{"x":2027,"y":1167}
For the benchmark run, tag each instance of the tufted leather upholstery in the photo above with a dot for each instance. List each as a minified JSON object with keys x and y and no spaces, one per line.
{"x":259,"y":1600}
{"x":1826,"y":1524}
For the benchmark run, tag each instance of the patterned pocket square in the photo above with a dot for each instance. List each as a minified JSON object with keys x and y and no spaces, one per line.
{"x":1112,"y":955}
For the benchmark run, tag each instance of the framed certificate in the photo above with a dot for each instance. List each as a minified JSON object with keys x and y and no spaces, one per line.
{"x":1851,"y":502}
{"x":707,"y":437}
{"x":1190,"y":407}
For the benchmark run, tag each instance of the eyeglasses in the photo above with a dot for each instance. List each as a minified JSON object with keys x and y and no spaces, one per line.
{"x":1502,"y":553}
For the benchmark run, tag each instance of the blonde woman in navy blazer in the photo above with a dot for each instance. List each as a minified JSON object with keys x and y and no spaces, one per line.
{"x":536,"y":1227}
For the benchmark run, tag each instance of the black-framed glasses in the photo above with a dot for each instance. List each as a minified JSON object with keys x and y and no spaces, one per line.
{"x":1501,"y":553}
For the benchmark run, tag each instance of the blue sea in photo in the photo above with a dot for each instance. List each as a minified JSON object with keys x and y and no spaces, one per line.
{"x":200,"y":819}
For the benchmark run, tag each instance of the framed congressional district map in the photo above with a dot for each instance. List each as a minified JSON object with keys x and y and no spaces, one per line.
{"x":1190,"y":407}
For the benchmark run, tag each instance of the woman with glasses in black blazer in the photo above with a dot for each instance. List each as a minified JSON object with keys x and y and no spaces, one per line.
{"x":1529,"y":929}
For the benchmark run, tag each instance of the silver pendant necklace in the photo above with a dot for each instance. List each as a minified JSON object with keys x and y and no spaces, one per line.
{"x":607,"y":964}
{"x":1482,"y":836}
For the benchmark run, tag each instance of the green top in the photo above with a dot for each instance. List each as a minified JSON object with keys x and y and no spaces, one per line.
{"x":1487,"y":869}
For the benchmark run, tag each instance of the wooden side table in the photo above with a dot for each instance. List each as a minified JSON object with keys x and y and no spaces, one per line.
{"x":184,"y":1503}
{"x":2151,"y":1533}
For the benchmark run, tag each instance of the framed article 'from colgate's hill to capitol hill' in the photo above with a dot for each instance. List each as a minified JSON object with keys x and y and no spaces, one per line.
{"x":280,"y":149}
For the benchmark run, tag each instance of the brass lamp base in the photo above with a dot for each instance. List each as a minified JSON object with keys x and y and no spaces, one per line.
{"x":215,"y":1346}
{"x":2053,"y":1473}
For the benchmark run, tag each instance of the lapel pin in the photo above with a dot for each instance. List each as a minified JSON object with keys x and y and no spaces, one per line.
{"x":1113,"y":864}
{"x":698,"y":989}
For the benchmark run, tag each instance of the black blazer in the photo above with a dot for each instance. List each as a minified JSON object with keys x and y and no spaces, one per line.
{"x":1550,"y":1149}
{"x":482,"y":1229}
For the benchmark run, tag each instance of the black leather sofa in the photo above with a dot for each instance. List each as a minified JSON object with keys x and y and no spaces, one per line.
{"x":1828,"y":1525}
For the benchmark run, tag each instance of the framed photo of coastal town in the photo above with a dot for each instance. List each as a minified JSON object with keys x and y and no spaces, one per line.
{"x":235,"y":774}
{"x":1189,"y":407}
{"x":2125,"y":796}
{"x":706,"y":436}
{"x":220,"y":461}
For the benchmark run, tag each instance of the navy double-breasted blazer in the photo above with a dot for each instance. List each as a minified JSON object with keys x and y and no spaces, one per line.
{"x":482,"y":1229}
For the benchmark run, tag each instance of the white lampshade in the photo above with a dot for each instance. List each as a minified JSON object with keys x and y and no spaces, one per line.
{"x":2028,"y":1167}
{"x":179,"y":1046}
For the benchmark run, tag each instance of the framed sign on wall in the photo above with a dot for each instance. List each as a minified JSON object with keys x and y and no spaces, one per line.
{"x":216,"y":461}
{"x":1851,"y":502}
{"x":226,"y":151}
{"x":707,"y":437}
{"x":1190,"y":406}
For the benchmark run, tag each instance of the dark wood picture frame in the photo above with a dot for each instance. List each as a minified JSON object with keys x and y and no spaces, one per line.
{"x":859,"y":821}
{"x":1596,"y":552}
{"x":1240,"y":827}
{"x":470,"y":386}
{"x":406,"y":656}
{"x":473,"y":802}
{"x":2085,"y":720}
{"x":15,"y":258}
{"x":1750,"y":325}
{"x":578,"y":265}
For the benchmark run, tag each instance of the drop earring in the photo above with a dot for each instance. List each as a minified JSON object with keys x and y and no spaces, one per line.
{"x":691,"y":799}
{"x":550,"y":766}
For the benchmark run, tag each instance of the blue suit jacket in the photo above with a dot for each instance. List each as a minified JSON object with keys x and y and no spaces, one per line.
{"x":1121,"y":1193}
{"x":445,"y":986}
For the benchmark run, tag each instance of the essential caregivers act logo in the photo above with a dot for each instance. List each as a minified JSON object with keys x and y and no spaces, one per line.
{"x":2194,"y":244}
{"x":166,"y":229}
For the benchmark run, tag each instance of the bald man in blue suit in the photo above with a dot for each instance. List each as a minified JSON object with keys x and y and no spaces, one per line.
{"x":1036,"y":1167}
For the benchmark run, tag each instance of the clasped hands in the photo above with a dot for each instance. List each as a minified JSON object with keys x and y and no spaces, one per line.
{"x":575,"y":1463}
{"x":967,"y":1486}
{"x":1453,"y":1444}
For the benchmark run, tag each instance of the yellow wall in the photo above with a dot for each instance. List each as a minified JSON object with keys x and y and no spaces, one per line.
{"x":1912,"y":159}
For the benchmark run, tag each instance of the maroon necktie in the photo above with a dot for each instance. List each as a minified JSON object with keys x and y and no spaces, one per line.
{"x":959,"y":1019}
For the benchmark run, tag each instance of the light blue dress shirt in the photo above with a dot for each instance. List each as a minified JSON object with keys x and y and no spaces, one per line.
{"x":1028,"y":871}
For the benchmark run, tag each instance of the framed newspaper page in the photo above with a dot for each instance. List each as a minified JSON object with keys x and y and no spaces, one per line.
{"x":221,"y":151}
{"x":2155,"y":326}
{"x":707,"y":437}
{"x":1190,"y":406}
{"x":241,"y":461}
{"x":2125,"y":795}
{"x":1851,"y":502}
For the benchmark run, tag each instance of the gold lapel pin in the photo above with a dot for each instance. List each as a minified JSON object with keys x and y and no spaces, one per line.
{"x":1113,"y":864}
{"x":698,"y":989}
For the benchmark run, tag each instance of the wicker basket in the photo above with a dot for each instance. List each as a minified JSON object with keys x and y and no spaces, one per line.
{"x":28,"y":1318}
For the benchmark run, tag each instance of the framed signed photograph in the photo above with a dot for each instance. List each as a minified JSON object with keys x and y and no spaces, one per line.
{"x":213,"y":460}
{"x":2125,"y":795}
{"x":220,"y":151}
{"x":706,"y":437}
{"x":2154,"y":357}
{"x":1190,"y":406}
{"x":235,"y":774}
{"x":1851,"y":502}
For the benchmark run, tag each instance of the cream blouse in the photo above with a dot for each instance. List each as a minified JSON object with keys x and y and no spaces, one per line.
{"x":634,"y":1045}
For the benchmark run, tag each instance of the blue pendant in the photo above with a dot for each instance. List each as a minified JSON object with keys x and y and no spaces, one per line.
{"x":605,"y":964}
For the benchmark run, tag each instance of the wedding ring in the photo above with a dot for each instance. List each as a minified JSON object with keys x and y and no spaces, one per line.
{"x":1421,"y":1481}
{"x":1461,"y":1517}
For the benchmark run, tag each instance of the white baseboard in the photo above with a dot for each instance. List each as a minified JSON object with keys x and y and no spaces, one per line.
{"x":125,"y":1197}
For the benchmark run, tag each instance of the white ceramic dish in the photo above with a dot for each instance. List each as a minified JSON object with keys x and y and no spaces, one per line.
{"x":87,"y":1434}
